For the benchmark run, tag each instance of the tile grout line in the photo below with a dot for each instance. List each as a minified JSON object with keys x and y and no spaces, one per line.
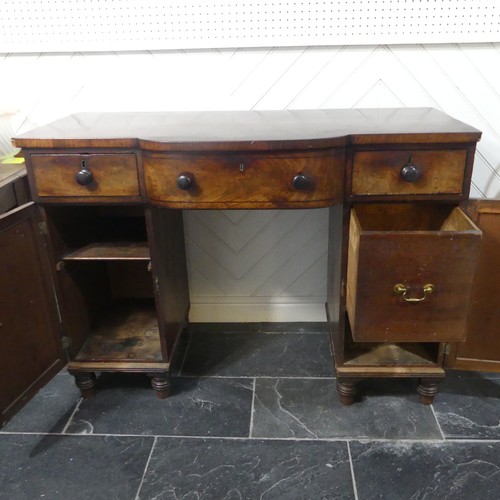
{"x":68,"y":423}
{"x":263,"y":438}
{"x":260,"y":332}
{"x":145,"y":469}
{"x":252,"y":408}
{"x":289,"y":377}
{"x":437,"y":422}
{"x":353,"y":477}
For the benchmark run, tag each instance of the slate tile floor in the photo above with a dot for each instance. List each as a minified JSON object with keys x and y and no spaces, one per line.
{"x":254,"y":415}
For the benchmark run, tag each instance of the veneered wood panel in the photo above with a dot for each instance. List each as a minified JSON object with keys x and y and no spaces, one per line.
{"x":249,"y":130}
{"x":263,"y":180}
{"x":30,"y":347}
{"x":168,"y":263}
{"x":338,"y":235}
{"x":379,"y":172}
{"x":114,"y":175}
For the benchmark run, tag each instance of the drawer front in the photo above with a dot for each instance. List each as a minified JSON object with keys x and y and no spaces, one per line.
{"x":112,"y":175}
{"x":264,"y":180}
{"x":411,"y":286}
{"x":408,"y":172}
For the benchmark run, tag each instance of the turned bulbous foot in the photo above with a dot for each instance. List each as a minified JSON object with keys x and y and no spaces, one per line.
{"x":160,"y":382}
{"x":427,"y":389}
{"x":347,"y":390}
{"x":85,"y":381}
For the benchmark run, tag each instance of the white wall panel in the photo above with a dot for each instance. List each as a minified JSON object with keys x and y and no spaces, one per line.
{"x":246,"y":265}
{"x":94,"y":25}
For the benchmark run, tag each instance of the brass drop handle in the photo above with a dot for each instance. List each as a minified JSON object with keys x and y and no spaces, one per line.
{"x":402,"y":290}
{"x":84,"y":176}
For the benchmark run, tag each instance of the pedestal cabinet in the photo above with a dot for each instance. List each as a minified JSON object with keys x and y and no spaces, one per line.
{"x":118,"y":264}
{"x":110,"y":189}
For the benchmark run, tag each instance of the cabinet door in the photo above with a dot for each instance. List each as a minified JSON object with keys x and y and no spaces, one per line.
{"x":30,"y":347}
{"x":481,"y":350}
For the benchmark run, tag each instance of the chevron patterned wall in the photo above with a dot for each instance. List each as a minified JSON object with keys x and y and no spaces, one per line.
{"x":263,"y":265}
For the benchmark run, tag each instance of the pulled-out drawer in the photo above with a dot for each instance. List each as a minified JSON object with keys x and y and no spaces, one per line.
{"x":408,"y":172}
{"x":85,"y":175}
{"x":410,"y":272}
{"x":266,"y":180}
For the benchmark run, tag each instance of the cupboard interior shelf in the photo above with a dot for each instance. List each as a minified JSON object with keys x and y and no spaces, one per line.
{"x":127,"y":330}
{"x":110,"y":251}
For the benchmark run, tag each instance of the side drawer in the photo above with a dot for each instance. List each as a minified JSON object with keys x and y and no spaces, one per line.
{"x":268,"y":180}
{"x":410,"y":271}
{"x":406,"y":172}
{"x":113,"y":175}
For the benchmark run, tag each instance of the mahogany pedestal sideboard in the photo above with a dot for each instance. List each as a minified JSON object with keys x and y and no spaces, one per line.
{"x":111,"y":187}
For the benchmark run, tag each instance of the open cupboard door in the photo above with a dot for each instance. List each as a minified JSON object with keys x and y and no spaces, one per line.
{"x":30,"y":346}
{"x":481,"y":350}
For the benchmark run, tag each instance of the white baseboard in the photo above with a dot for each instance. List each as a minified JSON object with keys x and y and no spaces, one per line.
{"x":246,"y":310}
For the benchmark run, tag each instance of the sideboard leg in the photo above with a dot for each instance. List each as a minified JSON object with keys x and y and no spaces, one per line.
{"x":85,"y":381}
{"x":160,"y":382}
{"x":347,"y":389}
{"x":428,"y":388}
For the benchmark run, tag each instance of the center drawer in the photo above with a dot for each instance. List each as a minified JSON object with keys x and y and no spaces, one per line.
{"x":258,"y":180}
{"x":410,"y":272}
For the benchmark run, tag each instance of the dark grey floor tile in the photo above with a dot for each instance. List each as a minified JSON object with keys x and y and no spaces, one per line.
{"x":50,"y":409}
{"x":418,"y":471}
{"x":259,"y":355}
{"x":71,"y":467}
{"x":262,"y":327}
{"x":309,"y":408}
{"x":471,"y":374}
{"x":469,"y":408}
{"x":197,"y":407}
{"x":233,"y":469}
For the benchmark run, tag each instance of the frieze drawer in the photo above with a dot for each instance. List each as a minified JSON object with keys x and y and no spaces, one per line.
{"x":85,"y":175}
{"x":408,"y":172}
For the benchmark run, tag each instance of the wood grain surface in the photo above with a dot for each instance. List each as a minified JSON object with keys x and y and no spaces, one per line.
{"x":113,"y":175}
{"x":249,"y":130}
{"x":382,"y":256}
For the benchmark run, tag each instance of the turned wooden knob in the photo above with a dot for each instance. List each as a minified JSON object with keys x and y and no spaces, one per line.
{"x":300,"y":182}
{"x":185,"y":182}
{"x":410,"y":173}
{"x":84,"y":176}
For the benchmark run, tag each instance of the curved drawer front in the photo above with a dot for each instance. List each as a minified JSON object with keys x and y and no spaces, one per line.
{"x":408,"y":172}
{"x":258,"y":180}
{"x":111,"y":175}
{"x":410,"y":271}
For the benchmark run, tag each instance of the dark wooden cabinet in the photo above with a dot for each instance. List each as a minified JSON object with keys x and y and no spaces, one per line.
{"x":30,"y":346}
{"x":402,"y":252}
